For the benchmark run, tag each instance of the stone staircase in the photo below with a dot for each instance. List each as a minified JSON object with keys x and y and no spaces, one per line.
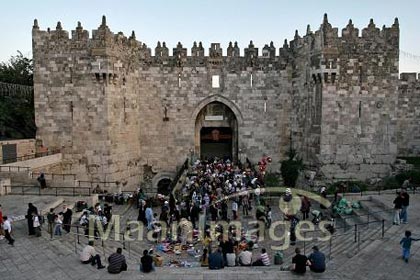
{"x":73,"y":243}
{"x":344,"y":244}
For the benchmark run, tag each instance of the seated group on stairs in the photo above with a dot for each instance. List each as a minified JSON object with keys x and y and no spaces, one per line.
{"x":315,"y":261}
{"x":117,"y":261}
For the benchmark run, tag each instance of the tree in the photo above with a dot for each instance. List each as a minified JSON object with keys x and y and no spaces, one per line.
{"x":290,"y":169}
{"x":17,"y":117}
{"x":18,"y":70}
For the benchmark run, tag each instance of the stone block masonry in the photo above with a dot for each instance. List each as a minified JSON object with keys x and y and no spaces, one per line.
{"x":120,"y":114}
{"x":408,"y":133}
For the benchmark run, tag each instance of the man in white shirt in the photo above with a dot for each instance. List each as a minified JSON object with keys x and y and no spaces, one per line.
{"x":36,"y":224}
{"x":245,"y":257}
{"x":8,"y":230}
{"x":88,"y":255}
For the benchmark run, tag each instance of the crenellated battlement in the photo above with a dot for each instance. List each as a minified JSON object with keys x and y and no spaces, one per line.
{"x":104,"y":42}
{"x":410,"y":78}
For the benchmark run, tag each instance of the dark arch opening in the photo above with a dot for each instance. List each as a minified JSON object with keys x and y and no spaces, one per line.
{"x":216,"y":132}
{"x":164,"y":186}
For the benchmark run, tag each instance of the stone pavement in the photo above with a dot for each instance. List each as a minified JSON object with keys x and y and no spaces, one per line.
{"x":382,"y":258}
{"x":40,"y":258}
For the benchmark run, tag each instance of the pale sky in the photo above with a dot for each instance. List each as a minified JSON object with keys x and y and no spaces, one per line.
{"x":209,"y":21}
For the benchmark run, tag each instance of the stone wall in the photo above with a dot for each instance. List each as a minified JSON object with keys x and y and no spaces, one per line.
{"x":359,"y":101}
{"x":408,"y":135}
{"x":119,"y":113}
{"x":23,"y":147}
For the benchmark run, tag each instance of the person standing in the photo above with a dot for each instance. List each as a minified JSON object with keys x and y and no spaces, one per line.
{"x":36,"y":224}
{"x":58,"y":222}
{"x":305,"y":207}
{"x":42,"y":181}
{"x":323,"y":192}
{"x":397,"y":208}
{"x":406,"y":184}
{"x":194,"y":214}
{"x":1,"y":224}
{"x":7,"y":227}
{"x":67,"y":214}
{"x":245,"y":203}
{"x":142,"y":212}
{"x":224,"y":208}
{"x":29,"y":217}
{"x":405,"y":204}
{"x":269,"y":217}
{"x":149,"y":215}
{"x":50,"y":219}
{"x":235,"y":209}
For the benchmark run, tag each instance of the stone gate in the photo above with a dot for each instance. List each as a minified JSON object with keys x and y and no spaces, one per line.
{"x":120,"y":113}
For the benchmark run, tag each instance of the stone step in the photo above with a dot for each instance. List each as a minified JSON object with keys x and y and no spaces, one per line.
{"x":378,"y":209}
{"x":341,"y":244}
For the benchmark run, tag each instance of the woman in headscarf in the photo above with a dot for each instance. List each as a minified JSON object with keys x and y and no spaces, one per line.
{"x":31,"y":210}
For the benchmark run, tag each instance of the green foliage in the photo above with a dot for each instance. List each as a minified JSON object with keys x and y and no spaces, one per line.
{"x":351,"y":186}
{"x":18,"y":70}
{"x":390,"y":183}
{"x":17,"y":116}
{"x":271,"y":180}
{"x":290,"y":169}
{"x":414,"y":174}
{"x":412,"y":160}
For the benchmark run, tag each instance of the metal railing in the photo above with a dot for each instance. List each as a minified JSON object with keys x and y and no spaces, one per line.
{"x":377,"y":191}
{"x":54,"y":176}
{"x":104,"y":185}
{"x":368,"y":216}
{"x":29,"y":156}
{"x":53,"y":191}
{"x":7,"y":168}
{"x":178,"y":175}
{"x":355,"y":234}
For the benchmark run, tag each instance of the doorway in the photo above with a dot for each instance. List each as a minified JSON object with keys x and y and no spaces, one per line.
{"x":216,"y":132}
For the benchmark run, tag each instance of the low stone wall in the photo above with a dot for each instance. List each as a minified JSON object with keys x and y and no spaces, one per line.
{"x":23,"y":147}
{"x":5,"y":186}
{"x":40,"y":162}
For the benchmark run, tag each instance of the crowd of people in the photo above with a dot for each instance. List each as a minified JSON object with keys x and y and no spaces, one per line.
{"x":222,"y":192}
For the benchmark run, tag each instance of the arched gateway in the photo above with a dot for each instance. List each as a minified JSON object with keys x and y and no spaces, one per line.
{"x":216,"y":129}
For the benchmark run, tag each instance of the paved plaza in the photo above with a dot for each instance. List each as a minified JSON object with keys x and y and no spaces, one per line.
{"x":43,"y":258}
